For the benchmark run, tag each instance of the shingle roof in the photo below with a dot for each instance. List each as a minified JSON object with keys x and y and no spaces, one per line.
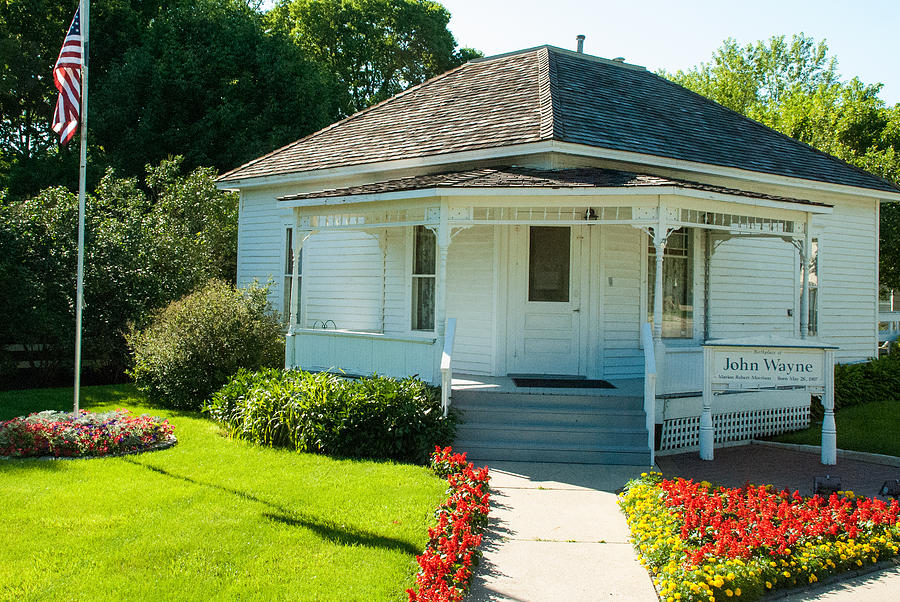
{"x":524,"y":177}
{"x":547,"y":93}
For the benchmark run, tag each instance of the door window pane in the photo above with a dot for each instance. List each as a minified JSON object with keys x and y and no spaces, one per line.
{"x":549,"y":263}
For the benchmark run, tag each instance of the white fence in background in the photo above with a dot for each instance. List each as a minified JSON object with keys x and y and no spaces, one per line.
{"x":888,"y":326}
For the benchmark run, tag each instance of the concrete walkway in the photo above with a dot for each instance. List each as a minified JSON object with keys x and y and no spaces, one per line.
{"x":556,"y":533}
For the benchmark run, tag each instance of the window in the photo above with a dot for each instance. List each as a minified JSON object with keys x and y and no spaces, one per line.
{"x":548,"y":263}
{"x":678,"y":284}
{"x":424,"y":255}
{"x":289,"y":274}
{"x":814,"y":287}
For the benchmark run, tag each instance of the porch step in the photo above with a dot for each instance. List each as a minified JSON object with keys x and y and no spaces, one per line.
{"x":547,"y":427}
{"x":492,"y":452}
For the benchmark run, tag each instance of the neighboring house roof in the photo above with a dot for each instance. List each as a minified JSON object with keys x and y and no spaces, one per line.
{"x":524,"y":177}
{"x":548,"y":93}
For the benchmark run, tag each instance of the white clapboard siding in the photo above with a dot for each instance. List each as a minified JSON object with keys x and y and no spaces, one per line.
{"x":470,"y":298}
{"x":753,"y":284}
{"x":342,"y":280}
{"x":261,"y":244}
{"x":621,"y":302}
{"x":397,"y":301}
{"x":847,"y":279}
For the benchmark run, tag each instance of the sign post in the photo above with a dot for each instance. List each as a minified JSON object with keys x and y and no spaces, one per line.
{"x":768,"y":363}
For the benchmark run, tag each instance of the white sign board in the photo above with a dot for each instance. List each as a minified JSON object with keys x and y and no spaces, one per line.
{"x":768,"y":363}
{"x":751,"y":368}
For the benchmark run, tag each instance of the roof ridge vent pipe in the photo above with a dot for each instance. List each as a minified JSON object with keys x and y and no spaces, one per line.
{"x":580,"y":38}
{"x":619,"y":59}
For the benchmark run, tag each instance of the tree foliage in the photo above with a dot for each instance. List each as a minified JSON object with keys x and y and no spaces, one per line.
{"x":207,"y":81}
{"x":142,"y":250}
{"x":201,"y":78}
{"x":793,"y":86}
{"x":376,"y":48}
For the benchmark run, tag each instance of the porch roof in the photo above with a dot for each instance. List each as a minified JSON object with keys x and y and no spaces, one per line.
{"x":515,"y":177}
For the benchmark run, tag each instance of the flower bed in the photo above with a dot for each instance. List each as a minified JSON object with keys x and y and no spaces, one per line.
{"x":702,"y":542}
{"x":56,"y":434}
{"x":446,"y":565}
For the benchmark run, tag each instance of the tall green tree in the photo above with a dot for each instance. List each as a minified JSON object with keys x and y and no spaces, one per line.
{"x":376,"y":48}
{"x":793,"y":86}
{"x":204,"y":79}
{"x":143,"y":250}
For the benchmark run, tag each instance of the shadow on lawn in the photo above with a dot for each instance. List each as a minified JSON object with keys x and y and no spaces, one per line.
{"x":327,"y":530}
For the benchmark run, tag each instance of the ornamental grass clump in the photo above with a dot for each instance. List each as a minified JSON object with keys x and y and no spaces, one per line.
{"x":702,"y":542}
{"x":372,"y":417}
{"x":446,"y":566}
{"x":57,"y":434}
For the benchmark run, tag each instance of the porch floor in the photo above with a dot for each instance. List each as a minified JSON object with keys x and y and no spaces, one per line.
{"x":624,"y":387}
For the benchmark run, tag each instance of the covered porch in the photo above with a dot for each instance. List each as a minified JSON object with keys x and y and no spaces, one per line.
{"x":590,"y":273}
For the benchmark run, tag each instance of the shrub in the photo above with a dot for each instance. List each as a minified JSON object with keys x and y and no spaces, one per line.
{"x":855,"y":384}
{"x":193,"y":346}
{"x":372,"y":417}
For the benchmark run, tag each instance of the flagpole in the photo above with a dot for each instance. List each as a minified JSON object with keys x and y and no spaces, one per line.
{"x":82,"y":177}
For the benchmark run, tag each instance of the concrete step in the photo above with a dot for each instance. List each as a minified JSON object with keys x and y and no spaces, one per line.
{"x":518,"y":401}
{"x":486,"y":452}
{"x":548,"y":426}
{"x":553,"y":417}
{"x":537,"y":434}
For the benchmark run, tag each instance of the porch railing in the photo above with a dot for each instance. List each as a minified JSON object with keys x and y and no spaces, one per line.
{"x":447,"y":365}
{"x":361,"y":353}
{"x":649,"y":386}
{"x":888,"y":326}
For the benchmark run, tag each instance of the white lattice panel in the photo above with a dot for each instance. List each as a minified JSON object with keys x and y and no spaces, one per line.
{"x":684,"y":433}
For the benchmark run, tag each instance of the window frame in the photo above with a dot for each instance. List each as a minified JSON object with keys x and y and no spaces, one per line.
{"x":416,"y":280}
{"x":690,"y":258}
{"x":287,"y":278}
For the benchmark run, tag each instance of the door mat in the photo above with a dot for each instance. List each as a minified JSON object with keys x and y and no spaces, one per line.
{"x":562,"y":383}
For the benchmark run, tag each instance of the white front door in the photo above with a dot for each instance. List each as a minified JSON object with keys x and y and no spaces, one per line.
{"x":544,"y":300}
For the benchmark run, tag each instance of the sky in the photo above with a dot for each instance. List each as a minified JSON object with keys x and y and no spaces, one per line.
{"x":674,"y":35}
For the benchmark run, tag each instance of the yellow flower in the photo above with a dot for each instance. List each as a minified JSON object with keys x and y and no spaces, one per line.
{"x":737,"y":592}
{"x":729,"y":593}
{"x":768,"y":585}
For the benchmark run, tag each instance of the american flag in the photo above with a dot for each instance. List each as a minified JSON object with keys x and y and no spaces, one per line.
{"x":67,"y":77}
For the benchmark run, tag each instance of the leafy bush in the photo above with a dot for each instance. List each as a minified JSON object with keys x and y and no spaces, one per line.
{"x":372,"y":417}
{"x":147,"y":245}
{"x":193,"y":346}
{"x":855,"y":384}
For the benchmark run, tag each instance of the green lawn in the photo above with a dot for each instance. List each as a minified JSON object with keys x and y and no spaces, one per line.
{"x":210,"y":518}
{"x":871,"y":427}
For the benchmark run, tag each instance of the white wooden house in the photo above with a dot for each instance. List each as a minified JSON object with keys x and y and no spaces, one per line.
{"x":552,"y":203}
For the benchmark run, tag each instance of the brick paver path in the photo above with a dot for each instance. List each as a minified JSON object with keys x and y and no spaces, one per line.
{"x":783,"y":468}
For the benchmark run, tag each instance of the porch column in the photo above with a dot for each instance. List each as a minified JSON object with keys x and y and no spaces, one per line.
{"x":660,"y":245}
{"x":297,"y":239}
{"x":660,"y":235}
{"x":804,"y":263}
{"x":440,"y":285}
